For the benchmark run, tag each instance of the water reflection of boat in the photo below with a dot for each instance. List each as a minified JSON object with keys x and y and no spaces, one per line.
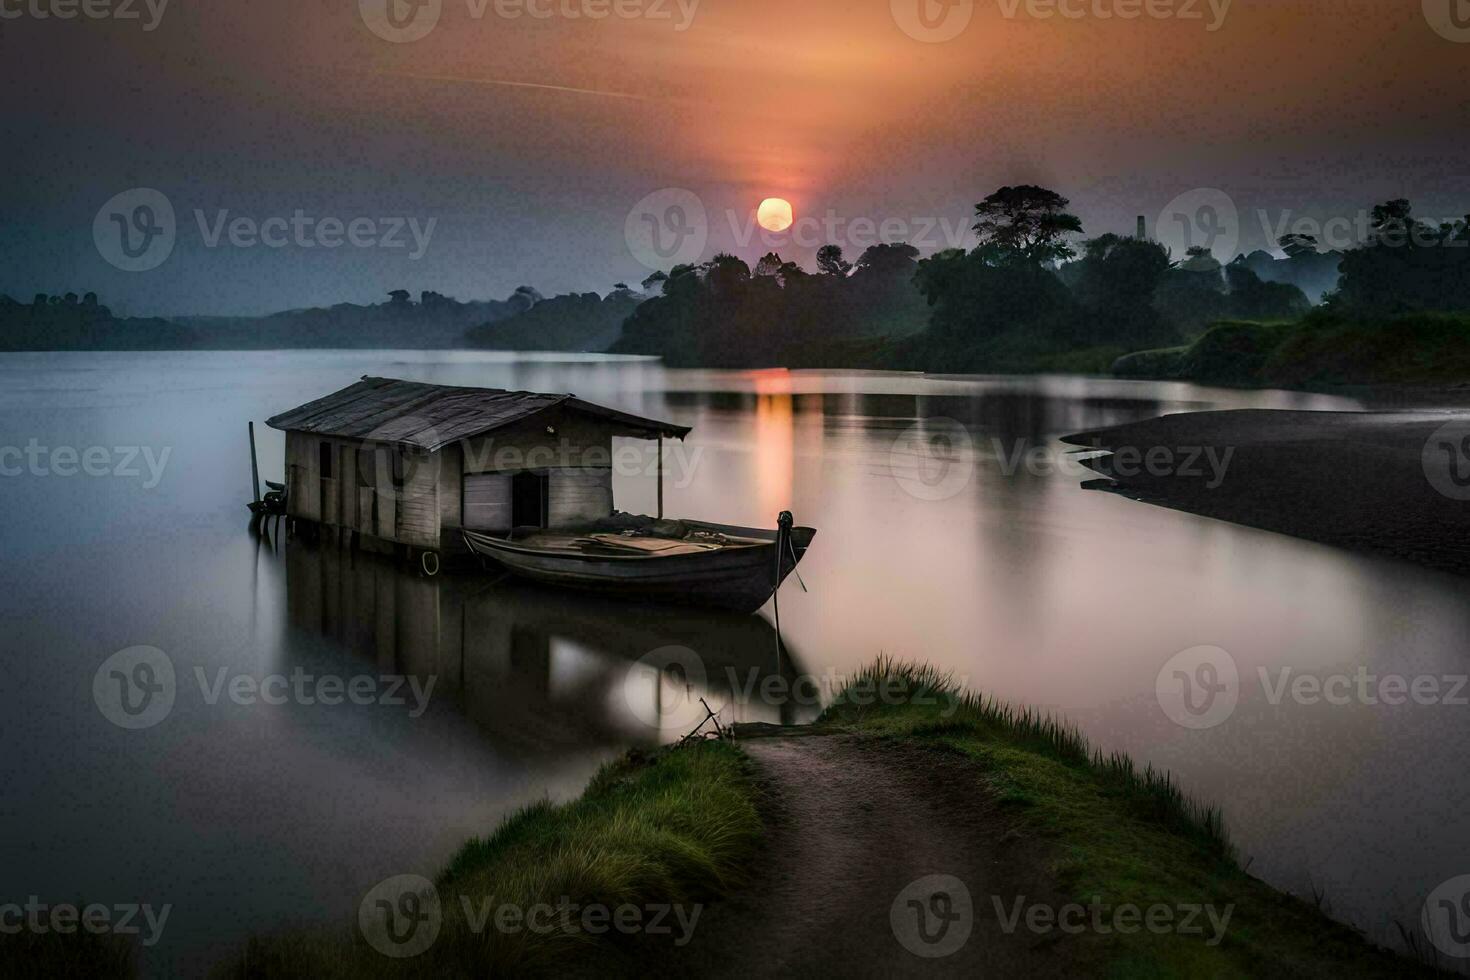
{"x":542,"y":667}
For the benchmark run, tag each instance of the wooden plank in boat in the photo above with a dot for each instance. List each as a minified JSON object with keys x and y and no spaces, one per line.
{"x":654,"y":546}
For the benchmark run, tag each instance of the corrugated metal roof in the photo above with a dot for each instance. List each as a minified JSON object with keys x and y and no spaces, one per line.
{"x":430,"y":417}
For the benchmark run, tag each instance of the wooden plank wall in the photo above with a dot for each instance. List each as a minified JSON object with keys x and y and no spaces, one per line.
{"x":418,"y":506}
{"x":575,"y":496}
{"x":487,"y":501}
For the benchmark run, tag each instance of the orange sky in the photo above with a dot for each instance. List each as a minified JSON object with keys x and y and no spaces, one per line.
{"x":1317,"y":106}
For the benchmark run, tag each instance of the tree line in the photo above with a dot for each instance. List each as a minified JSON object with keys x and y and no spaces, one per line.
{"x":1033,"y":291}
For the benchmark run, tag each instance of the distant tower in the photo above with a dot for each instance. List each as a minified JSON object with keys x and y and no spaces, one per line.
{"x":1142,"y":229}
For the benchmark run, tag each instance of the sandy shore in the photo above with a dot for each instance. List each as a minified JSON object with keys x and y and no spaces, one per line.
{"x":1394,"y":483}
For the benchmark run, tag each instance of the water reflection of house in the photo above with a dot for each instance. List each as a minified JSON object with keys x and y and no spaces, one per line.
{"x":536,"y":665}
{"x":408,"y":464}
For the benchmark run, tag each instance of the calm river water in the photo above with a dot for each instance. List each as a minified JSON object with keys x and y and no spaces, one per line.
{"x":979,"y":553}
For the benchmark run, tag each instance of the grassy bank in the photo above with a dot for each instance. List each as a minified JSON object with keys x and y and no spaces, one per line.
{"x":672,"y":828}
{"x":1322,"y":350}
{"x":1114,"y":833}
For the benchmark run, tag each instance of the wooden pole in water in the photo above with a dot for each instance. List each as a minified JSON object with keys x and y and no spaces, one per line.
{"x":660,"y":476}
{"x":254,"y":468}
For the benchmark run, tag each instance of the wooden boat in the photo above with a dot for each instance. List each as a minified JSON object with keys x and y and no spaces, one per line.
{"x":692,"y":562}
{"x":418,"y":468}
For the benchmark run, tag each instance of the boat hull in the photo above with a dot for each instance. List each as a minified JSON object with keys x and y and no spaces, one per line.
{"x":739,"y":579}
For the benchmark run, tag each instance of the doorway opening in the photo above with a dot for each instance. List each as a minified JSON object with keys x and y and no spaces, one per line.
{"x":528,"y":499}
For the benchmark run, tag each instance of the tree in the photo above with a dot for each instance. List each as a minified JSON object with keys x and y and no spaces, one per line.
{"x":398,"y":297}
{"x":769,"y":265}
{"x":886,"y":259}
{"x":1294,"y":245}
{"x":791,"y":272}
{"x":1391,"y":222}
{"x":1026,"y":224}
{"x":1406,"y":266}
{"x":1116,"y":285}
{"x":831,"y":263}
{"x":656,"y":279}
{"x":1252,"y":299}
{"x":727,"y":273}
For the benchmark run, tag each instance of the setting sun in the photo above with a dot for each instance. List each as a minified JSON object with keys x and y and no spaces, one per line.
{"x":774,"y":214}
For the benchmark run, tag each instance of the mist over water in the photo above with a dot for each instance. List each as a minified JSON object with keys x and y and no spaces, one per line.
{"x":952,"y":528}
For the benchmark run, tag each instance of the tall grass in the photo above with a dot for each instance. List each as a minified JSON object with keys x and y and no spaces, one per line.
{"x":918,"y":698}
{"x":675,"y":827}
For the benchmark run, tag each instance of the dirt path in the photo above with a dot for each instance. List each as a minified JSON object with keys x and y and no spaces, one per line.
{"x":856,"y":823}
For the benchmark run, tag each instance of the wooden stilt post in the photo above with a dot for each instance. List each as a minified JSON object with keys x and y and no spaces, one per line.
{"x":660,"y":476}
{"x":254,"y":468}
